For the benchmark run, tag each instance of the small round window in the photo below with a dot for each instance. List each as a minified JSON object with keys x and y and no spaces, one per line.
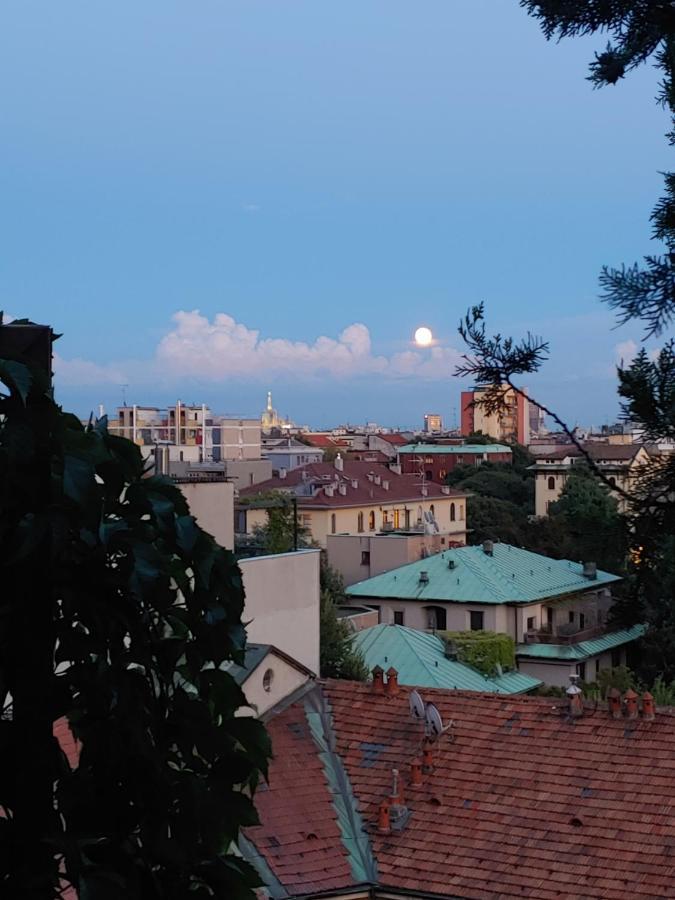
{"x":268,"y":678}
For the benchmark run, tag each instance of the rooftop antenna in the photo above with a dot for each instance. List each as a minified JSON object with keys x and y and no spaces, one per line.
{"x":417,"y":709}
{"x":124,"y":394}
{"x":434,"y":723}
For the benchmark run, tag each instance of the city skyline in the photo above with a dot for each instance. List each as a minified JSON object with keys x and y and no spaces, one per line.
{"x":317,"y":184}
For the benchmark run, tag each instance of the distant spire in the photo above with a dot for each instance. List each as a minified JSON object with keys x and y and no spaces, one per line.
{"x":269,"y":401}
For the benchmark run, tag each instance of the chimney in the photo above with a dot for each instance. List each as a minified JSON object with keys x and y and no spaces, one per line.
{"x":355,"y":483}
{"x":488,"y":548}
{"x":342,"y":489}
{"x":590,"y":571}
{"x":631,"y":700}
{"x":282,"y":472}
{"x":416,"y":773}
{"x":425,"y":490}
{"x":339,"y":463}
{"x":614,"y":703}
{"x":383,"y":821}
{"x":378,"y":680}
{"x":385,"y":484}
{"x":398,"y":812}
{"x":391,"y":688}
{"x":378,"y":479}
{"x":427,"y":758}
{"x":575,"y":698}
{"x":445,"y":489}
{"x":648,"y":711}
{"x":396,"y":796}
{"x":424,"y":577}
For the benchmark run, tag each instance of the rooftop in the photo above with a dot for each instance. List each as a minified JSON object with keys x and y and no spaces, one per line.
{"x":509,"y":575}
{"x":584,"y":649}
{"x":360,"y":485}
{"x":522,"y":800}
{"x":454,"y":448}
{"x":420,"y":660}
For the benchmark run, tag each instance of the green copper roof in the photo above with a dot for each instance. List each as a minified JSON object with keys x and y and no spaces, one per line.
{"x":509,"y":575}
{"x":420,"y":660}
{"x":430,"y":449}
{"x":584,"y":649}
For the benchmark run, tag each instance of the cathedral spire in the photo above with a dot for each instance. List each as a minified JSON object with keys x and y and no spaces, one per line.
{"x":269,"y":401}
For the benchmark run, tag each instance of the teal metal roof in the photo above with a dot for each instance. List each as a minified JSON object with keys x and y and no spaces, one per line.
{"x":419,"y":658}
{"x":429,"y":449}
{"x":510,"y":575}
{"x":584,"y":649}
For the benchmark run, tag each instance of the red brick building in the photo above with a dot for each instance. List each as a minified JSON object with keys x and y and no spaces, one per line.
{"x":511,"y":423}
{"x":437,"y":460}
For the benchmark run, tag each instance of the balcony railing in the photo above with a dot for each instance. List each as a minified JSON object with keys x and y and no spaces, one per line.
{"x":547,"y":636}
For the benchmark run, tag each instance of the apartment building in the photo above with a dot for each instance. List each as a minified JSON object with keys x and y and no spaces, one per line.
{"x":510,"y":424}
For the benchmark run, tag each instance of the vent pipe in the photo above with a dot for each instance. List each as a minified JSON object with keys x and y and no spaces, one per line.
{"x":631,"y":701}
{"x":648,"y":711}
{"x":488,"y":548}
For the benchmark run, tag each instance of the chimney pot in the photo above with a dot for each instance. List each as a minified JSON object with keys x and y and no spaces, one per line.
{"x":396,"y":797}
{"x":590,"y":571}
{"x":427,"y":758}
{"x":383,"y":821}
{"x":614,"y":703}
{"x":648,"y":711}
{"x":575,"y":698}
{"x":488,"y":548}
{"x":391,"y":689}
{"x":416,"y":773}
{"x":378,"y":680}
{"x":630,"y":699}
{"x":339,"y":463}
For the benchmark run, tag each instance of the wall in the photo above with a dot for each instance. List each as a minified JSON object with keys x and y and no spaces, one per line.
{"x":437,"y":465}
{"x":212,"y":504}
{"x":359,"y":617}
{"x":387,"y":552}
{"x":415,"y":613}
{"x":282,"y":603}
{"x":556,"y":674}
{"x":245,"y":472}
{"x":285,"y":679}
{"x":239,"y":439}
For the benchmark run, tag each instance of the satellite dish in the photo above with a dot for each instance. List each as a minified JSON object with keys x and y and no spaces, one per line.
{"x":417,"y":710}
{"x":433,"y":721}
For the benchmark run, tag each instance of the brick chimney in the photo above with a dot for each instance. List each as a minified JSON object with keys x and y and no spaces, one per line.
{"x":575,"y":698}
{"x":416,"y":773}
{"x":648,"y":710}
{"x":383,"y":820}
{"x":631,"y":700}
{"x":614,"y":703}
{"x":427,"y":758}
{"x":378,"y":680}
{"x":391,"y":688}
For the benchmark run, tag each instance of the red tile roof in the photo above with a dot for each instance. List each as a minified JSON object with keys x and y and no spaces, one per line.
{"x":402,"y":488}
{"x":598,"y":452}
{"x":522,"y":802}
{"x":394,"y":438}
{"x":324,"y":440}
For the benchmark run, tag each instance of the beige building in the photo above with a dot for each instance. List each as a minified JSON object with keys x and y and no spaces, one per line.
{"x":211,"y":501}
{"x":267,"y":677}
{"x":282,"y":603}
{"x":355,"y":497}
{"x":357,"y":557}
{"x":619,"y":462}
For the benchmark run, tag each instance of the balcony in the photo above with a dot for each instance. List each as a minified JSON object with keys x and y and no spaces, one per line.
{"x":564,"y":635}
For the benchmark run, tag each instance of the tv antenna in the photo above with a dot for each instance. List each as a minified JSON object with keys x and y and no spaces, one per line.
{"x":124,"y":394}
{"x":434,"y":723}
{"x":417,"y":708}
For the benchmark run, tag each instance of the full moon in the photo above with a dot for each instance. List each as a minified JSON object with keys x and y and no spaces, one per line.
{"x":423,"y":336}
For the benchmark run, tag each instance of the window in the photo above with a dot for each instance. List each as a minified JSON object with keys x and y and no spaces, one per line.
{"x":616,"y":658}
{"x":461,"y":512}
{"x":268,"y":678}
{"x":570,"y":616}
{"x":531,"y":623}
{"x":581,"y":671}
{"x":597,"y":667}
{"x":612,"y":480}
{"x":333,"y":523}
{"x":452,"y":512}
{"x":385,"y":516}
{"x":551,"y":483}
{"x":359,"y":525}
{"x":398,"y":617}
{"x":419,"y":514}
{"x":371,"y":520}
{"x":477,"y":620}
{"x":397,"y":518}
{"x":549,"y":617}
{"x":429,"y":475}
{"x":582,"y":620}
{"x":436,"y":618}
{"x":365,"y":557}
{"x":432,"y":510}
{"x":443,"y":474}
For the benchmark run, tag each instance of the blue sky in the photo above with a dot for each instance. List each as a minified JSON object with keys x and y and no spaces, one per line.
{"x":303,"y":172}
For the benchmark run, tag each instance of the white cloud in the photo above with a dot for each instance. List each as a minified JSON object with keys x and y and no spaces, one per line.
{"x":625,"y":352}
{"x":204,"y":349}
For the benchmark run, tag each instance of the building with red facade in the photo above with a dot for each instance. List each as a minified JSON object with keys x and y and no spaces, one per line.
{"x":434,"y":461}
{"x":511,"y":423}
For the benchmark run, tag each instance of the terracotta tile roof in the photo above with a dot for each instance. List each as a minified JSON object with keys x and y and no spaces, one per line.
{"x":598,"y":452}
{"x":522,"y":802}
{"x":402,"y":488}
{"x":394,"y":438}
{"x":324,"y":440}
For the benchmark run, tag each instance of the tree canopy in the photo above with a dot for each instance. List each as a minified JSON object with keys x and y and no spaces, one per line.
{"x":119,"y":615}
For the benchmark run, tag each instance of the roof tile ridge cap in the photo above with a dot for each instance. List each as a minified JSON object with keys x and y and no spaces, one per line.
{"x":318,"y":714}
{"x":476,"y":570}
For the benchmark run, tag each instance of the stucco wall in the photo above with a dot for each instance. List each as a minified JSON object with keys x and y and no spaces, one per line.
{"x":282,"y":603}
{"x":212,"y":504}
{"x":285,"y":680}
{"x":415,"y":614}
{"x":246,"y":472}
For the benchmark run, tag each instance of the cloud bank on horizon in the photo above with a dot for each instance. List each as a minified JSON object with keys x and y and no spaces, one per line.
{"x":211,"y":350}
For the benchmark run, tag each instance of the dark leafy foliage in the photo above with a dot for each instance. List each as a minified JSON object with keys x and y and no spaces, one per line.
{"x":143,"y":608}
{"x":639,"y":30}
{"x":339,"y":658}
